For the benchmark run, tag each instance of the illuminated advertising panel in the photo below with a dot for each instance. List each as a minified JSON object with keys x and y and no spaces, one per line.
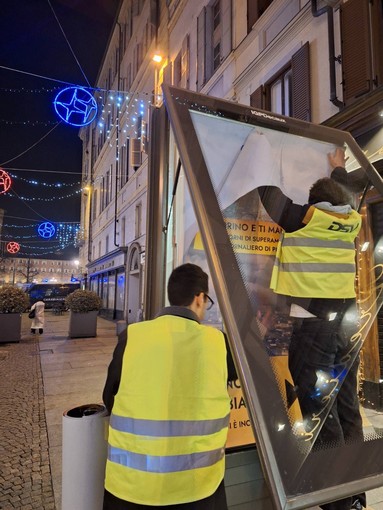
{"x":297,"y":279}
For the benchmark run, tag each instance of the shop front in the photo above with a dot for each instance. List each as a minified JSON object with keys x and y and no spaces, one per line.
{"x":107,"y":278}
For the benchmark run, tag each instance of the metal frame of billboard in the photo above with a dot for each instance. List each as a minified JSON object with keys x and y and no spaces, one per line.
{"x":295,"y":480}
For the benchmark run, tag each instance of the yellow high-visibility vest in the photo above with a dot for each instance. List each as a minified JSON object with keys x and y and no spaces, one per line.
{"x":169,"y":423}
{"x":318,"y":260}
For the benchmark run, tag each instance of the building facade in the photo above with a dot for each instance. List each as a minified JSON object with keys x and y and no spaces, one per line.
{"x":18,"y":270}
{"x":319,"y":61}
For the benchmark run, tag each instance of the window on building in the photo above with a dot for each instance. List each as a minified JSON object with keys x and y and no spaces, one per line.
{"x":362,"y":48}
{"x":288,"y":92}
{"x":94,"y":205}
{"x":120,"y":166}
{"x":122,"y":231}
{"x":217,"y":34}
{"x":107,"y":244}
{"x":213,"y":38}
{"x":125,"y":169}
{"x":281,"y":93}
{"x":181,"y":66}
{"x":138,"y":220}
{"x":255,"y":9}
{"x":177,"y":70}
{"x":103,"y":193}
{"x":99,"y":248}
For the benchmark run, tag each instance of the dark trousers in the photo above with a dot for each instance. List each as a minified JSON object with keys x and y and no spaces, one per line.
{"x":216,"y":501}
{"x":320,"y":348}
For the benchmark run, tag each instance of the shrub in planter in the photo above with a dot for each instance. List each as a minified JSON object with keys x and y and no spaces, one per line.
{"x":13,"y":301}
{"x":84,"y":306}
{"x":82,"y":301}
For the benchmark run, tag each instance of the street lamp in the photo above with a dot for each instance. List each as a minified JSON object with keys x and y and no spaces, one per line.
{"x":157,"y":59}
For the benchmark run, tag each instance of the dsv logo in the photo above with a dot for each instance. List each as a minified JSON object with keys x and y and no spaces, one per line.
{"x":339,"y":227}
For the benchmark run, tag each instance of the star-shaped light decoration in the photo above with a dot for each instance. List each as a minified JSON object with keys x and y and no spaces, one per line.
{"x":75,"y":106}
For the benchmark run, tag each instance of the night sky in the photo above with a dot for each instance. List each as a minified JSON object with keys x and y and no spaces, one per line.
{"x":33,"y":42}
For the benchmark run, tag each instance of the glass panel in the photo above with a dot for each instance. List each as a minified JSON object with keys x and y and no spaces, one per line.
{"x":120,"y":296}
{"x":103,"y":282}
{"x":287,"y":80}
{"x":190,"y":248}
{"x":111,"y":290}
{"x":312,"y":342}
{"x":276,"y":97}
{"x":287,"y":296}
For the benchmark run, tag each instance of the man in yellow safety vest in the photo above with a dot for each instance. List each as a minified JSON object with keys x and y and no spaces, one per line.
{"x":166,"y":390}
{"x":315,"y":269}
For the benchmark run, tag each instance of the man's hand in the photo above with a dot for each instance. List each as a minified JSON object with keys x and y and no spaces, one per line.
{"x":337,"y":158}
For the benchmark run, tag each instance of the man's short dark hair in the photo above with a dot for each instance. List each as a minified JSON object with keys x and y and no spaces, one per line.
{"x":328,"y":190}
{"x":185,"y":282}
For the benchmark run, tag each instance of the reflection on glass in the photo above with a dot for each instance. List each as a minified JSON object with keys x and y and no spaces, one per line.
{"x":299,"y":266}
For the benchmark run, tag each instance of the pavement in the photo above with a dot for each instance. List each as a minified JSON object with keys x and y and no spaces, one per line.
{"x":42,"y":377}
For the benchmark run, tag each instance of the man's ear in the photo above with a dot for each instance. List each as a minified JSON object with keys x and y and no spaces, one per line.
{"x":200,"y":298}
{"x":197,"y":303}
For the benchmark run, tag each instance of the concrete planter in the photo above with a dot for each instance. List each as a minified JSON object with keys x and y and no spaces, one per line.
{"x":10,"y":327}
{"x":82,"y":325}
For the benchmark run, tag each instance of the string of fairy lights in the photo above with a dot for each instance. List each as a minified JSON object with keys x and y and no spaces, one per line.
{"x":78,"y":106}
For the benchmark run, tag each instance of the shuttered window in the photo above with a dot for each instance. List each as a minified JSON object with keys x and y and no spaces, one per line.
{"x":356,"y":51}
{"x":201,"y":49}
{"x":257,"y":98}
{"x":185,"y":67}
{"x":301,"y":93}
{"x":288,"y":92}
{"x":213,"y":39}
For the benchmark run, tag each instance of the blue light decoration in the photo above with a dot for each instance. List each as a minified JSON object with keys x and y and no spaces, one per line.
{"x":75,"y":106}
{"x":46,"y":230}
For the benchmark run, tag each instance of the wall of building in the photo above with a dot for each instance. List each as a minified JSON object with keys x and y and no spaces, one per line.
{"x":19,"y":270}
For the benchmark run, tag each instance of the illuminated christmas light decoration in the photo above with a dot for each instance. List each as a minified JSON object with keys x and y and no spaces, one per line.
{"x":43,"y":199}
{"x":23,"y":90}
{"x":29,"y":122}
{"x":75,"y":106}
{"x":5,"y":181}
{"x":46,"y":184}
{"x":13,"y":247}
{"x":46,"y":230}
{"x":65,"y":234}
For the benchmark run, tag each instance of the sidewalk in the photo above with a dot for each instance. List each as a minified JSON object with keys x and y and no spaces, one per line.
{"x":74,"y":372}
{"x":41,"y":377}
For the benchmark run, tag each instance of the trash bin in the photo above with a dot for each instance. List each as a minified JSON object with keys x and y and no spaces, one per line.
{"x":84,"y":453}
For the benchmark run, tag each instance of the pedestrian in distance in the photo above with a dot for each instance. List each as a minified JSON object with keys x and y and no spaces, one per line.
{"x":166,"y":390}
{"x":38,"y":320}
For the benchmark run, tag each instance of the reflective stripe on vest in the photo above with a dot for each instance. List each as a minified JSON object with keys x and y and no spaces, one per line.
{"x":307,"y":267}
{"x":170,"y":428}
{"x":318,"y":260}
{"x":165,"y":464}
{"x":317,"y":243}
